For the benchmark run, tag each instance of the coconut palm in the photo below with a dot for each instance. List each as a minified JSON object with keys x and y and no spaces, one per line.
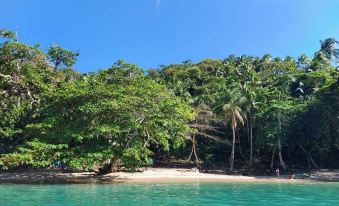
{"x":304,"y":62}
{"x":328,"y":47}
{"x":233,"y":115}
{"x":250,"y":105}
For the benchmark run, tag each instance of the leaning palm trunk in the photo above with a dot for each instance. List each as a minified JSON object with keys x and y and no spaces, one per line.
{"x":233,"y":113}
{"x":194,"y":145}
{"x":232,"y":153}
{"x":282,"y":163}
{"x":251,"y":144}
{"x":272,"y":158}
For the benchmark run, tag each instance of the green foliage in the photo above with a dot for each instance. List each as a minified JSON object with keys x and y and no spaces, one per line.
{"x":32,"y":154}
{"x":7,"y":34}
{"x":136,"y":157}
{"x":24,"y":77}
{"x":102,"y":117}
{"x":124,"y":114}
{"x":60,"y":56}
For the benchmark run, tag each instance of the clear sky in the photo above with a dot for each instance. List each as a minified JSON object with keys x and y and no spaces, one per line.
{"x":154,"y":32}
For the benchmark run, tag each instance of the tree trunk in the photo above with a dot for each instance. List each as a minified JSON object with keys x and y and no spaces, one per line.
{"x":189,"y":158}
{"x":251,"y":145}
{"x":168,"y":158}
{"x":232,"y":153}
{"x":240,"y":149}
{"x":308,"y":157}
{"x":282,"y":163}
{"x":272,"y":159}
{"x":114,"y":166}
{"x":304,"y":151}
{"x":194,"y":144}
{"x":57,"y":63}
{"x":248,"y":129}
{"x":312,"y":161}
{"x":194,"y":151}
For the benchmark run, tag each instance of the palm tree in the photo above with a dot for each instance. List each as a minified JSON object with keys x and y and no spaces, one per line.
{"x":250,"y":82}
{"x":320,"y":61}
{"x":282,"y":163}
{"x":328,"y":47}
{"x":281,"y":107}
{"x":250,"y":105}
{"x":303,"y":62}
{"x":233,"y":114}
{"x":327,"y":53}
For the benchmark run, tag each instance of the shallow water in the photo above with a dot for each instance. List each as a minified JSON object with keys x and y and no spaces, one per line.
{"x":172,"y":194}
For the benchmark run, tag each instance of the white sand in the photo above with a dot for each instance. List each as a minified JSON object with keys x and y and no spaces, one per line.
{"x":189,"y":175}
{"x":155,"y":175}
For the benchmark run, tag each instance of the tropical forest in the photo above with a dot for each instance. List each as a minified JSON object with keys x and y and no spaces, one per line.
{"x":253,"y":113}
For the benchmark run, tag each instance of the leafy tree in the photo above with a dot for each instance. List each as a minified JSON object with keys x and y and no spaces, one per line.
{"x":104,"y":120}
{"x":60,"y":56}
{"x":24,"y":77}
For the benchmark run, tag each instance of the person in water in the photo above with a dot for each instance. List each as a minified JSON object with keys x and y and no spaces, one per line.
{"x":278,"y":172}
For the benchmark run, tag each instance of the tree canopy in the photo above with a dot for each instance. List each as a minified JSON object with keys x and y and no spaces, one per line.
{"x":242,"y":111}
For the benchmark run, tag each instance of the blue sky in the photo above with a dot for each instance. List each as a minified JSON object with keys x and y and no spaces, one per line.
{"x":154,"y":32}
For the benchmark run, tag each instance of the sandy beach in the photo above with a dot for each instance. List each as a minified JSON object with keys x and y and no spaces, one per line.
{"x":155,"y":175}
{"x":190,"y":175}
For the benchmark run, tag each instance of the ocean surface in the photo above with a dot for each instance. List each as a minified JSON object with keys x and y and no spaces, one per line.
{"x":219,"y":194}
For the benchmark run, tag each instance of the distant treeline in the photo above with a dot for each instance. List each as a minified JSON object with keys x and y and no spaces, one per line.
{"x":240,"y":112}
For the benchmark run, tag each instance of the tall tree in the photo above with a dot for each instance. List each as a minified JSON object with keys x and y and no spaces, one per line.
{"x":233,"y":115}
{"x":24,"y":76}
{"x":250,"y":106}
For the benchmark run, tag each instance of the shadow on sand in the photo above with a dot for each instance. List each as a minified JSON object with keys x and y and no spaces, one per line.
{"x":57,"y":178}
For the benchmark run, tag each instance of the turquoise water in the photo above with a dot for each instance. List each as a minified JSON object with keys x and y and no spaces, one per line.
{"x":172,"y":194}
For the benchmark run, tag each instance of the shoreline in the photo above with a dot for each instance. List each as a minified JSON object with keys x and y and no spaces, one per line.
{"x":152,"y":175}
